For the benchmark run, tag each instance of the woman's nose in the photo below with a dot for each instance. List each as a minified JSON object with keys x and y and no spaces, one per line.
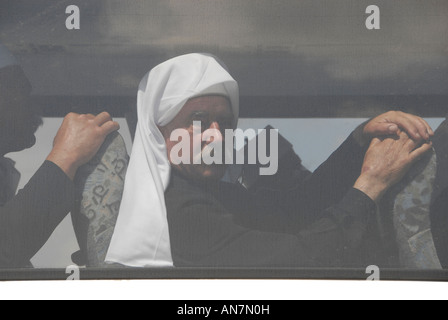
{"x":214,"y":134}
{"x":215,"y":126}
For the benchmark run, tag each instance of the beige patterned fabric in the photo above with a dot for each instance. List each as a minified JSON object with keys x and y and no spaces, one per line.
{"x":412,"y":217}
{"x":100,"y":186}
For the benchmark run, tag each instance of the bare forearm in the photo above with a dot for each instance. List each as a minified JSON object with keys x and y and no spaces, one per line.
{"x":375,"y":190}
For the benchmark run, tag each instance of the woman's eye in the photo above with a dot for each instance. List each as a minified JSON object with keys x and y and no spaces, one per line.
{"x":200,"y":118}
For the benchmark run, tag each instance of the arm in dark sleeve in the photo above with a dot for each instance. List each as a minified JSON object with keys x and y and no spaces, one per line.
{"x":204,"y":234}
{"x":328,"y":185}
{"x":28,"y":220}
{"x":299,"y":197}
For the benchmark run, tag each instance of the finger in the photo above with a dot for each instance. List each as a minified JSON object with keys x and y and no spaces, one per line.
{"x":420,"y":152}
{"x":410,"y":145}
{"x":421,"y":125}
{"x":109,"y":127}
{"x":424,"y":123}
{"x":428,"y":127}
{"x":102,"y":118}
{"x":409,"y":126}
{"x":384,"y":129}
{"x":405,"y":142}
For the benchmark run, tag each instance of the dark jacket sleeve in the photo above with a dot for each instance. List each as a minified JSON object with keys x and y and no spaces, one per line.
{"x":331,"y":181}
{"x":204,"y":234}
{"x":302,"y":201}
{"x":28,"y":220}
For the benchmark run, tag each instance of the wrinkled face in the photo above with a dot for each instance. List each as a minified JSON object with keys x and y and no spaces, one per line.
{"x":18,"y":123}
{"x":214,"y":112}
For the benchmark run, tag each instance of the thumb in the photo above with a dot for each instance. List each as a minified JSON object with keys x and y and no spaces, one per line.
{"x":384,"y":129}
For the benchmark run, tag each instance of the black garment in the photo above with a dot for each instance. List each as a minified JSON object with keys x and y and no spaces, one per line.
{"x":29,"y":219}
{"x":319,"y":221}
{"x":439,"y":208}
{"x":9,"y":178}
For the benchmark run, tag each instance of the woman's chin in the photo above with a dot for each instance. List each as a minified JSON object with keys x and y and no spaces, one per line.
{"x":26,"y":143}
{"x":32,"y":141}
{"x":215,"y":172}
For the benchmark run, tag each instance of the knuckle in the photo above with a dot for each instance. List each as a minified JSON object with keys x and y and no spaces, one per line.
{"x":422,"y":126}
{"x":98,"y":130}
{"x":106,"y":114}
{"x":419,"y":122}
{"x":70,"y":116}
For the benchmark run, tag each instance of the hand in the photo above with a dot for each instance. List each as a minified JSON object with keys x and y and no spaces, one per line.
{"x":392,"y":123}
{"x":387,"y":162}
{"x":79,"y":139}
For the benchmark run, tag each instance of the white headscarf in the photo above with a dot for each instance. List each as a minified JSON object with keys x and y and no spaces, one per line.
{"x":6,"y":58}
{"x":141,"y":237}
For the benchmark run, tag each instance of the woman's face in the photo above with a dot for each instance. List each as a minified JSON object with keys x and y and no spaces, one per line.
{"x":214,"y":113}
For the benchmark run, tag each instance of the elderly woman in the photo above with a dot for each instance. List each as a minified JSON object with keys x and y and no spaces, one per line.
{"x":183,"y":215}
